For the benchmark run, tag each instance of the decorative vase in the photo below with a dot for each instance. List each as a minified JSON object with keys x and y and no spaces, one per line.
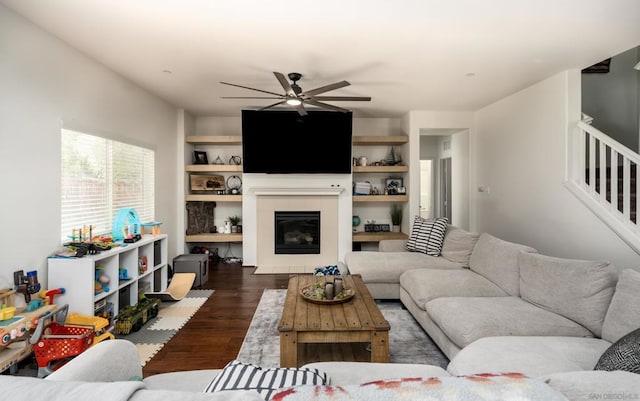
{"x":395,"y":228}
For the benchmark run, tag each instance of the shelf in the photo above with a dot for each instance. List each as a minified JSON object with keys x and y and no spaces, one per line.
{"x":380,"y":140}
{"x":380,"y":198}
{"x":380,"y":169}
{"x":235,"y":237}
{"x":212,"y":168}
{"x":214,"y":139}
{"x":213,"y":198}
{"x":377,"y":236}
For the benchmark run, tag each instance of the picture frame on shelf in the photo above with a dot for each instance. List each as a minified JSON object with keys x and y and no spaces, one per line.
{"x":394,"y":185}
{"x":200,"y":157}
{"x":207,"y":183}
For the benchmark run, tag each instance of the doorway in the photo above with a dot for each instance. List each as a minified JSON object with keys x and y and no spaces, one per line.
{"x":445,"y":188}
{"x":426,"y":189}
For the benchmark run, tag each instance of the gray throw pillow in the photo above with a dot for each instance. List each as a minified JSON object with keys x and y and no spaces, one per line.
{"x":623,"y":314}
{"x":624,"y":354}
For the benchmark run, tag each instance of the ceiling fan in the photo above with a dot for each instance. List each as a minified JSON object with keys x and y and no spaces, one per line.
{"x":294,"y":95}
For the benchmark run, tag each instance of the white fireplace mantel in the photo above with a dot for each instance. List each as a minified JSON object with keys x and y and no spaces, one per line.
{"x":308,"y":191}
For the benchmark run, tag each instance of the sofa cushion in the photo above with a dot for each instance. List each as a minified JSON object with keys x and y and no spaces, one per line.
{"x":423,"y":285}
{"x":244,"y":376}
{"x":427,"y":235}
{"x":466,"y":319}
{"x":531,"y":355}
{"x":386,"y":267}
{"x":497,"y":260}
{"x":458,"y":245}
{"x":624,"y":354}
{"x":341,"y":373}
{"x":595,"y":385}
{"x":504,"y":386}
{"x":579,"y":290}
{"x":623,"y":314}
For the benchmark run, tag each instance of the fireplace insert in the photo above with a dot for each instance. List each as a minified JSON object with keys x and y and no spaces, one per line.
{"x":297,"y":232}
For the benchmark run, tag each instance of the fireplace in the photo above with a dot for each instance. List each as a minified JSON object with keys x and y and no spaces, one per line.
{"x":297,"y":232}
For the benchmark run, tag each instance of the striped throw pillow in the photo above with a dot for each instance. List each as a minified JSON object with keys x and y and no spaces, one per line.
{"x":427,"y":236}
{"x":245,"y":376}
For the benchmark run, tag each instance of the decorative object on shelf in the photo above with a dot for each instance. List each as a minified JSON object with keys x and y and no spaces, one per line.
{"x":102,"y":281}
{"x":206,"y":183}
{"x":234,"y":223}
{"x":393,"y":185}
{"x":143,"y":264}
{"x":234,"y":184}
{"x":200,"y":157}
{"x":235,"y":160}
{"x":372,"y":227}
{"x":362,"y":161}
{"x":218,"y":161}
{"x":396,"y":217}
{"x":200,"y":218}
{"x":355,"y":222}
{"x":392,"y":158}
{"x":227,"y":227}
{"x":362,"y":188}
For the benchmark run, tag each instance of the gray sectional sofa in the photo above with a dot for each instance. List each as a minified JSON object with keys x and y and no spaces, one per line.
{"x":495,"y":306}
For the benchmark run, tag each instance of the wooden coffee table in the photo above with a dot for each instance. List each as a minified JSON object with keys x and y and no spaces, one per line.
{"x":310,"y":332}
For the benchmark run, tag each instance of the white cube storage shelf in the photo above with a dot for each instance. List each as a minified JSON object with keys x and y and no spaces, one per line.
{"x":77,"y":275}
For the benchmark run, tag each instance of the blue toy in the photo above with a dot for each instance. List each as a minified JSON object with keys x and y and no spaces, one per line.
{"x":126,"y":224}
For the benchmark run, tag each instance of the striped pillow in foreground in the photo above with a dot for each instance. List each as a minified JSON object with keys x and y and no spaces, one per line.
{"x":244,"y":376}
{"x":427,"y":236}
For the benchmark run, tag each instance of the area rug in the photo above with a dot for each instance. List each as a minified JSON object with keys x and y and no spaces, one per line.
{"x":408,"y":343}
{"x":171,"y":317}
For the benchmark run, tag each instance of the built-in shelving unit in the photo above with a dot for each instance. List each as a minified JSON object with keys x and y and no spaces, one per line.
{"x":209,"y":142}
{"x":363,"y":171}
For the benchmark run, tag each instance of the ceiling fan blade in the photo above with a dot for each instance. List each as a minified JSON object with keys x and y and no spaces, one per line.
{"x":301,"y":110}
{"x":253,"y":89}
{"x":343,"y":98}
{"x":326,"y":88}
{"x":326,"y":106}
{"x":285,"y":84}
{"x":250,"y":97}
{"x":272,"y":105}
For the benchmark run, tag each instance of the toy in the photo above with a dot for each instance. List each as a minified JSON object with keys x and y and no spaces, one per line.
{"x":123,"y":274}
{"x":48,"y":295}
{"x":142,"y":264}
{"x":101,"y":281}
{"x":132,"y":318}
{"x":126,"y":225}
{"x":155,"y":227}
{"x":26,"y":285}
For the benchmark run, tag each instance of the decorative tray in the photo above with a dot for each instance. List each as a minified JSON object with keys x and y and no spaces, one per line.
{"x":315,"y":293}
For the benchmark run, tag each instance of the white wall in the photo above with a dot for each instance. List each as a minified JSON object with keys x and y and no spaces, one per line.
{"x":520,"y":155}
{"x":44,"y":82}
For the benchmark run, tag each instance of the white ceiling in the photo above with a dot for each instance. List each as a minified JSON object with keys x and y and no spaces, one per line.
{"x":405,"y":54}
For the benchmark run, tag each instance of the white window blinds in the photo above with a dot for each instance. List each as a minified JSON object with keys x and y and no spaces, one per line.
{"x":101,"y":176}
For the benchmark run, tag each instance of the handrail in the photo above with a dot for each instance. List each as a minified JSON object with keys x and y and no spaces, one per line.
{"x":620,"y":148}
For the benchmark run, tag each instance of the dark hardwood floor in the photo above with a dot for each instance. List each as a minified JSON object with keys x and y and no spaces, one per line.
{"x":213,"y":336}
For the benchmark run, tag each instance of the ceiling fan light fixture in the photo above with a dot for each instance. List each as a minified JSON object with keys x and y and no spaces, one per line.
{"x":294,"y":102}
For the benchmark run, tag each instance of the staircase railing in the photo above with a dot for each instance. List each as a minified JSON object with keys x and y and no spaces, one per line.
{"x":602,"y":173}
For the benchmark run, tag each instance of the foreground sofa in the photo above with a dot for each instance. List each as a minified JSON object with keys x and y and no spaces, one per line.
{"x":111,"y":371}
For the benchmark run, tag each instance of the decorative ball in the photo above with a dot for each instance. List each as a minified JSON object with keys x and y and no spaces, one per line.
{"x":356,"y":220}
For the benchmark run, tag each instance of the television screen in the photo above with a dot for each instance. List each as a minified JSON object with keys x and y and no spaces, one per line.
{"x":284,"y":142}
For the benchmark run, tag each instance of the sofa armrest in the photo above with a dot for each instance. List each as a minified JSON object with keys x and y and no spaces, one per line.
{"x":107,"y":361}
{"x":392,"y":245}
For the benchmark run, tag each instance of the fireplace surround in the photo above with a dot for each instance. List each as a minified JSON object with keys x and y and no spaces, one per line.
{"x":266,"y":193}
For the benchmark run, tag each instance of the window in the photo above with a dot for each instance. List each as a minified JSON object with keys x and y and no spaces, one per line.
{"x":101,"y":176}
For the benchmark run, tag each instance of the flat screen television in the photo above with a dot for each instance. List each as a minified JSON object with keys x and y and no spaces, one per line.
{"x":284,"y":142}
